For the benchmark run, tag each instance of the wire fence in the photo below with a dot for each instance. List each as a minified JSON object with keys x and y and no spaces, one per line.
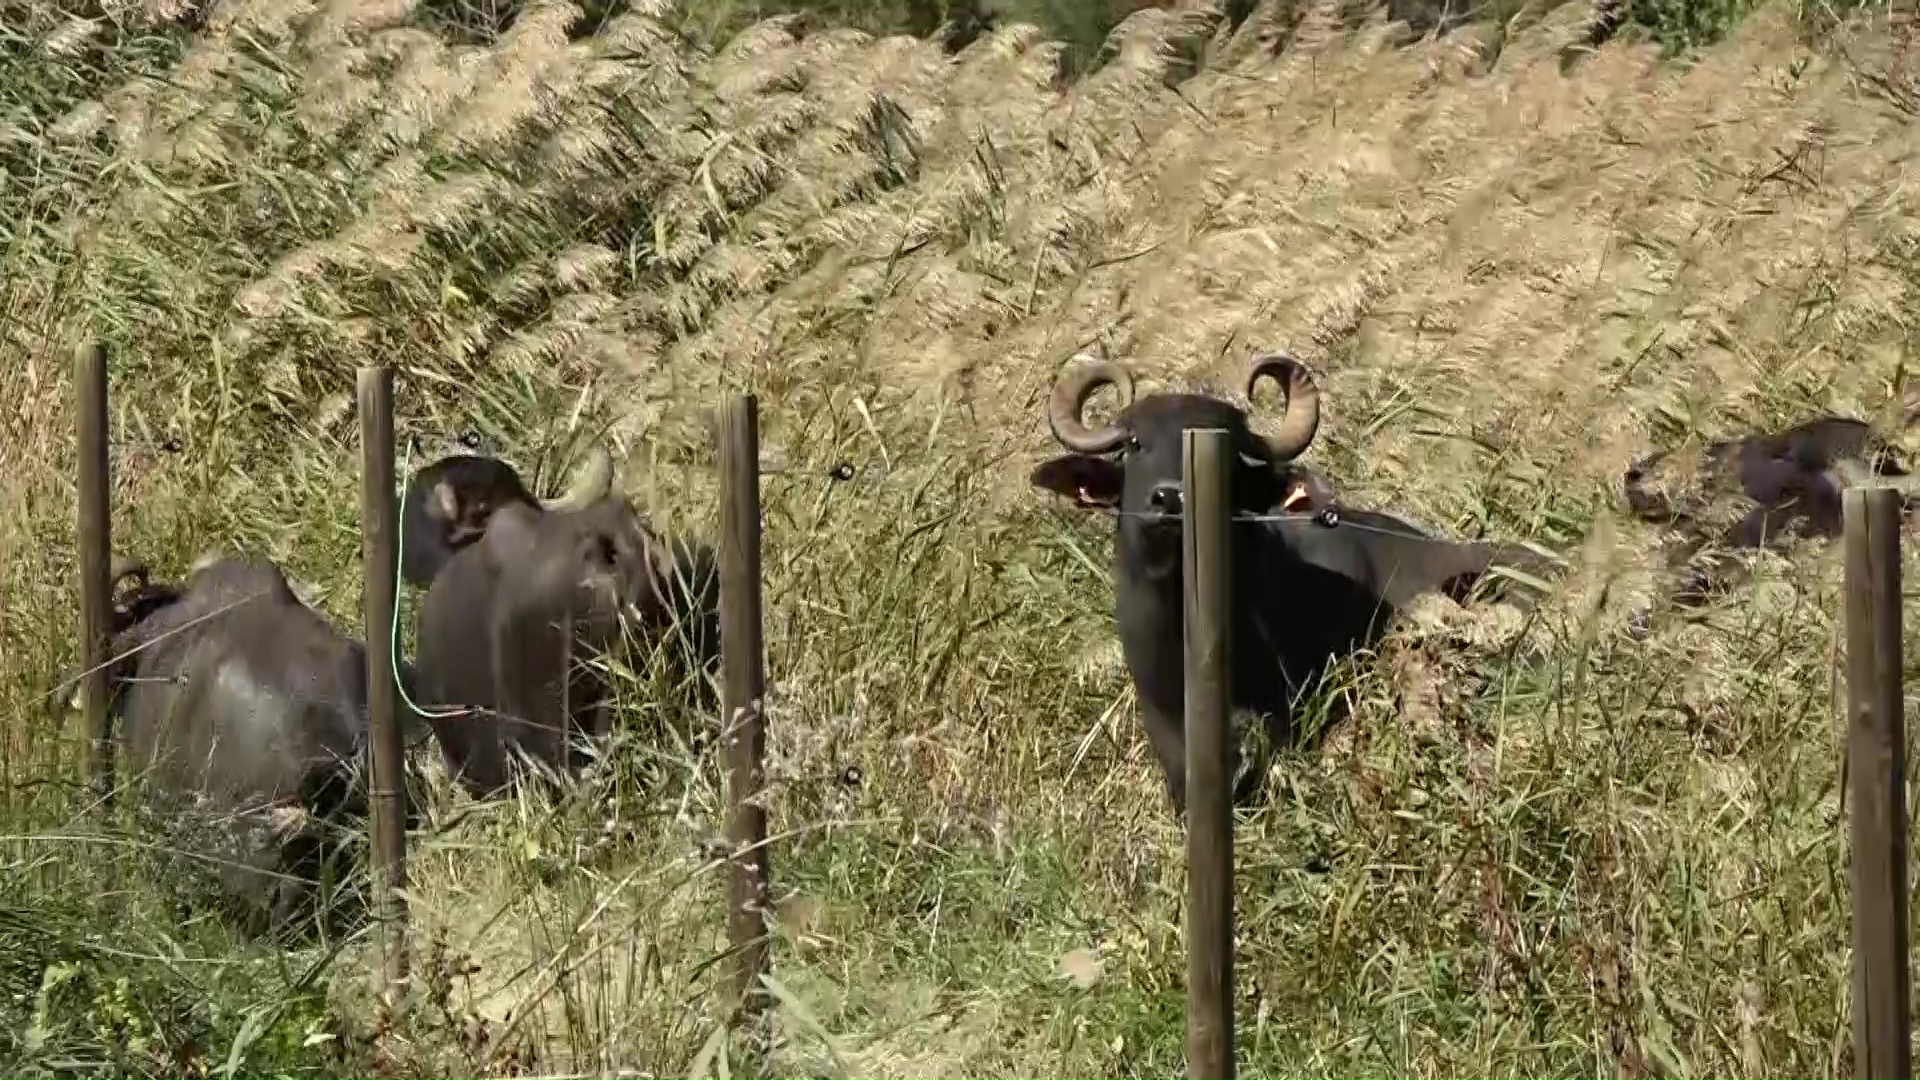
{"x":1875,"y":745}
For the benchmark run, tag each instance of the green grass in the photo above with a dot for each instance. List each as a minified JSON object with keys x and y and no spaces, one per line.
{"x":1540,"y":849}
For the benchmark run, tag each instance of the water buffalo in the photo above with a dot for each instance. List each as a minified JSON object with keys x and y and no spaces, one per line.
{"x":1308,"y":588}
{"x":1759,"y":490}
{"x":236,"y":700}
{"x":525,"y":601}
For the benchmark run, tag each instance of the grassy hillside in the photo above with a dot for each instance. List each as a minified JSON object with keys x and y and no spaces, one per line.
{"x":1541,"y":847}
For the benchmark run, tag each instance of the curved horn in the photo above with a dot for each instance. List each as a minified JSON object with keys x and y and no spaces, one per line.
{"x":1069,"y":401}
{"x":126,"y":567}
{"x":595,"y":481}
{"x":1300,"y":420}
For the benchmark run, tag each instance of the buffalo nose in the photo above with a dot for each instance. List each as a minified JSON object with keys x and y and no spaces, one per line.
{"x":1166,"y":498}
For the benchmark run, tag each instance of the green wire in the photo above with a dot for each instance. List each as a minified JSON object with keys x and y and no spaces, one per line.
{"x":393,"y":632}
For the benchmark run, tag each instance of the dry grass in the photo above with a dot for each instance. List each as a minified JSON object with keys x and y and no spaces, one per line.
{"x":1540,"y":848}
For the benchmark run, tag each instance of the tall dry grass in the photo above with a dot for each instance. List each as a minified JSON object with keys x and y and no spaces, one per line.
{"x":1540,"y":847}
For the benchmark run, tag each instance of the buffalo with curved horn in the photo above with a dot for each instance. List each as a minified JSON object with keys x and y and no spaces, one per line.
{"x":1307,"y":589}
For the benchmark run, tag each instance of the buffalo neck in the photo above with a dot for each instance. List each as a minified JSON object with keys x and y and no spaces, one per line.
{"x":1149,"y":551}
{"x":1148,"y":611}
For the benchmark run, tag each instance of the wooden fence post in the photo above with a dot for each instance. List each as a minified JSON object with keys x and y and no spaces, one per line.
{"x":1876,"y":766}
{"x":379,"y":535}
{"x":96,"y":561}
{"x":1207,"y":457}
{"x":743,"y":658}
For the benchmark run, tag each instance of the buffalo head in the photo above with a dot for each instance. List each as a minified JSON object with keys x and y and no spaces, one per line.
{"x":1134,"y":463}
{"x":136,"y":598}
{"x":449,"y":503}
{"x":588,"y":547}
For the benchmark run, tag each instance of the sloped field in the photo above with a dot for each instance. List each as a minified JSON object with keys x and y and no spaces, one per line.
{"x":1540,"y":848}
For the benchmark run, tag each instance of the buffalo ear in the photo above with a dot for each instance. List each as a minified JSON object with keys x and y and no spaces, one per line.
{"x":452,"y":499}
{"x":1302,"y":491}
{"x":443,"y":503}
{"x":460,"y":516}
{"x":1087,"y":480}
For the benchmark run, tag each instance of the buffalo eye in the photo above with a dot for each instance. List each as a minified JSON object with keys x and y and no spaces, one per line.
{"x":1133,"y":444}
{"x":603,"y":551}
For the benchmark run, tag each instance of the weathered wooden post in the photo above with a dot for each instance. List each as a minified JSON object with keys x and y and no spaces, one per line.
{"x":743,"y":658}
{"x":379,"y":536}
{"x":96,"y":561}
{"x":1876,"y":766}
{"x":1206,"y":463}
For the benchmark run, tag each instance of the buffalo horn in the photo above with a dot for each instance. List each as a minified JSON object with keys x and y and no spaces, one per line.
{"x":1069,"y":401}
{"x":595,"y":481}
{"x":126,"y":567}
{"x":1300,"y":420}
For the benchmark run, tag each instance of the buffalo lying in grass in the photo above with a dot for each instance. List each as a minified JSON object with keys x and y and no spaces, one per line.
{"x":1312,"y":580}
{"x":1760,"y":491}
